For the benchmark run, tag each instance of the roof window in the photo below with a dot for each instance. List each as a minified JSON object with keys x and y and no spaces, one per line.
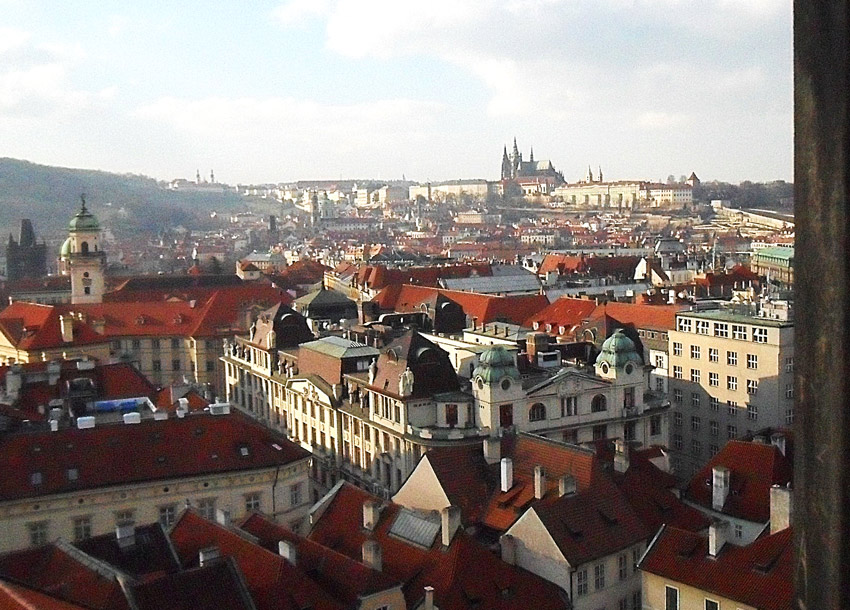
{"x":36,"y":479}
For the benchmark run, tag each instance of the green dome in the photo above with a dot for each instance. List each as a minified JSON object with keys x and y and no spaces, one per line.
{"x":494,"y":364}
{"x":618,"y":350}
{"x":65,"y":251}
{"x":84,"y":221}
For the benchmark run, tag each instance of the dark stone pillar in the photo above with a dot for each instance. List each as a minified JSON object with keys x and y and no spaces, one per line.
{"x":822,"y":427}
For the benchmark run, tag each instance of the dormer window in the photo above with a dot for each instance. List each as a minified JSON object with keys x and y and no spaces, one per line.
{"x":36,"y":479}
{"x":73,"y":474}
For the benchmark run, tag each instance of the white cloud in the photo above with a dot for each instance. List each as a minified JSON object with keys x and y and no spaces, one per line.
{"x":11,"y":38}
{"x":297,"y":12}
{"x":117,"y":25}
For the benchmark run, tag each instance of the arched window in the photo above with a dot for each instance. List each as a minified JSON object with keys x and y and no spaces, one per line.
{"x":84,"y":247}
{"x":537,"y":412}
{"x":599,"y":404}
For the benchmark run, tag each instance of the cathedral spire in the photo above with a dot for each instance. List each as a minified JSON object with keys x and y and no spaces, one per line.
{"x":531,"y":155}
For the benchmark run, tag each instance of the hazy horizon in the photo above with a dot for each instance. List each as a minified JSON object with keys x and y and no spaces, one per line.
{"x":329,"y":89}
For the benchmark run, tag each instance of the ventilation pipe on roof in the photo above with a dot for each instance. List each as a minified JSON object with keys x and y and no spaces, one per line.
{"x":287,"y":550}
{"x":539,"y":482}
{"x":720,"y":476}
{"x":450,"y":523}
{"x":429,"y":598}
{"x":372,"y":556}
{"x":717,"y":537}
{"x":492,"y":450}
{"x":566,"y":485}
{"x":507,"y":474}
{"x":621,"y":455}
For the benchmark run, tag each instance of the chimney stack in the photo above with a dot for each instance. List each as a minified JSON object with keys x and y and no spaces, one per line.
{"x":539,"y":482}
{"x":125,"y":535}
{"x":222,"y":516}
{"x":508,"y":544}
{"x":14,"y":381}
{"x":507,"y":474}
{"x":287,"y":550}
{"x":719,"y":486}
{"x":492,"y":449}
{"x":717,"y":536}
{"x":372,"y":555}
{"x":780,"y":508}
{"x":53,"y":371}
{"x":66,"y":326}
{"x":429,"y":598}
{"x":621,"y":455}
{"x":371,"y":514}
{"x":566,"y":485}
{"x":450,"y":522}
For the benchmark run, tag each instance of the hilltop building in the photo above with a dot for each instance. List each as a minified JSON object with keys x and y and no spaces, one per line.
{"x":514,"y":167}
{"x":25,"y":259}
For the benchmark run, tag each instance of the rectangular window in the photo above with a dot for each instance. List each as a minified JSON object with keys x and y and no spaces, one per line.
{"x":713,"y":380}
{"x":599,"y":576}
{"x":295,"y":494}
{"x":671,"y":598}
{"x":157,"y":366}
{"x":739,"y":331}
{"x":167,"y":515}
{"x":684,"y":325}
{"x":732,"y":358}
{"x":789,"y":390}
{"x":789,"y":417}
{"x":696,"y":422}
{"x":677,"y":372}
{"x":695,"y":352}
{"x":721,"y":329}
{"x":637,"y":604}
{"x":713,"y":448}
{"x":702,"y":327}
{"x":82,"y":528}
{"x":760,"y":335}
{"x":155,"y":343}
{"x":752,"y":386}
{"x":712,"y":605}
{"x":695,"y":400}
{"x":206,"y":507}
{"x":731,"y":382}
{"x":210,"y":366}
{"x":713,"y":427}
{"x":677,"y":419}
{"x":752,"y":361}
{"x":731,"y":432}
{"x":451,"y":415}
{"x":623,"y":567}
{"x":677,"y":348}
{"x":789,"y":365}
{"x":623,"y":604}
{"x":752,"y":411}
{"x":628,"y":398}
{"x":175,"y":365}
{"x":38,"y":532}
{"x":739,"y":531}
{"x":677,"y":395}
{"x":713,"y":354}
{"x":125,"y":517}
{"x":506,"y":415}
{"x":175,"y":344}
{"x":600,"y":432}
{"x":677,"y":442}
{"x":714,"y":403}
{"x":695,"y":375}
{"x":655,"y":425}
{"x":252,"y":502}
{"x":581,"y":582}
{"x":137,"y":344}
{"x":569,"y":406}
{"x":732,"y":406}
{"x":696,"y":447}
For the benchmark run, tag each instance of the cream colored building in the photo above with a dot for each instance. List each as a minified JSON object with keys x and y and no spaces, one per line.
{"x":80,"y":482}
{"x":730,"y":374}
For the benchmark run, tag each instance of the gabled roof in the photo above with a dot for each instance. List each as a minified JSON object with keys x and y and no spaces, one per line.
{"x":122,"y":454}
{"x":274,"y":584}
{"x":432,"y":370}
{"x":464,"y":575}
{"x":655,"y":317}
{"x":15,"y":596}
{"x":565,"y":312}
{"x":754,"y":469}
{"x":30,"y":326}
{"x":758,"y":575}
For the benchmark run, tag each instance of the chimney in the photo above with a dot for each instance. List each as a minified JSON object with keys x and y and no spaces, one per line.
{"x":371,"y":514}
{"x":66,"y":325}
{"x":508,"y":544}
{"x":621,"y":455}
{"x":53,"y":370}
{"x":717,"y":534}
{"x":125,"y":535}
{"x":54,"y":425}
{"x":492,"y":450}
{"x":777,"y":439}
{"x":539,"y":482}
{"x":208,"y":555}
{"x":780,"y":508}
{"x":719,"y":486}
{"x":222,"y":516}
{"x":372,"y":555}
{"x":507,"y":474}
{"x":566,"y":485}
{"x":450,"y":522}
{"x":429,"y":598}
{"x":287,"y":550}
{"x":14,"y":381}
{"x":134,"y":417}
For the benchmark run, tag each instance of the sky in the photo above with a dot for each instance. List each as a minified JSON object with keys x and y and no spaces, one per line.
{"x":431,"y":90}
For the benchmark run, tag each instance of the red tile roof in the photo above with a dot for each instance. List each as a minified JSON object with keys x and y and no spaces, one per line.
{"x":485,"y":307}
{"x":464,"y":575}
{"x":274,"y":583}
{"x":376,"y":277}
{"x":15,"y":596}
{"x":755,"y":468}
{"x":758,"y":575}
{"x":121,"y":454}
{"x":657,"y":317}
{"x":565,"y":312}
{"x":30,"y":326}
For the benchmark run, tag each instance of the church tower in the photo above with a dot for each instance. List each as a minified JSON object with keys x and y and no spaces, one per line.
{"x":83,"y":259}
{"x":506,"y":164}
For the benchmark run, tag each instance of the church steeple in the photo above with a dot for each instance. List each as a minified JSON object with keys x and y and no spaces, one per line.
{"x":600,"y":174}
{"x":531,"y":155}
{"x":506,"y":164}
{"x":589,"y":177}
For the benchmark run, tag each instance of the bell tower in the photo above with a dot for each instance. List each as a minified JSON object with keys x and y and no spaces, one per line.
{"x":84,"y":260}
